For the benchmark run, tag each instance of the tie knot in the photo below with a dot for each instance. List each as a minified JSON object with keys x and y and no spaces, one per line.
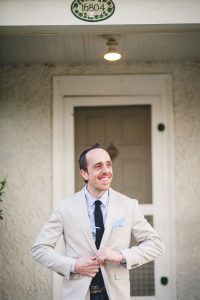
{"x":98,"y":203}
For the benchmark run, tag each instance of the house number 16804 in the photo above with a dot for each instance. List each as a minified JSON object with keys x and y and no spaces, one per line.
{"x":92,"y":7}
{"x":92,"y":10}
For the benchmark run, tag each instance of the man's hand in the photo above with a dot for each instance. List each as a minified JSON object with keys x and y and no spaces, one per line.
{"x":104,"y":254}
{"x":87,"y":266}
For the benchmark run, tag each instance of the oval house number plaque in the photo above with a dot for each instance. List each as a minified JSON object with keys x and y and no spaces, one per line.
{"x":92,"y":10}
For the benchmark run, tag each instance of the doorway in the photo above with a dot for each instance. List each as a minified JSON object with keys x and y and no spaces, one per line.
{"x":114,"y":92}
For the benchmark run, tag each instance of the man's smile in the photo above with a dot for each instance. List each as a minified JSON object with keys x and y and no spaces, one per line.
{"x":105,"y":178}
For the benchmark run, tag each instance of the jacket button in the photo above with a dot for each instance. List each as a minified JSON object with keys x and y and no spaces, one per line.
{"x":135,"y":265}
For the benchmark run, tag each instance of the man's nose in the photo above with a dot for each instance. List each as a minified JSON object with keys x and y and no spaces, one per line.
{"x":105,"y":168}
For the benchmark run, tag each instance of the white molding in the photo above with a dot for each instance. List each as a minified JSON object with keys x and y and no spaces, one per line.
{"x":127,"y":12}
{"x":100,"y":90}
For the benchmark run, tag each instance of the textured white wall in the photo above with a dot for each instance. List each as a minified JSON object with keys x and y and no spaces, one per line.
{"x":26,"y":157}
{"x":187,"y":171}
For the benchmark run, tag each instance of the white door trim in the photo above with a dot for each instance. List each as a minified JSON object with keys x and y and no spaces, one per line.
{"x":72,"y":91}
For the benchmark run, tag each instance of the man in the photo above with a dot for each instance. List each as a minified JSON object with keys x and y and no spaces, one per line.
{"x":97,"y":236}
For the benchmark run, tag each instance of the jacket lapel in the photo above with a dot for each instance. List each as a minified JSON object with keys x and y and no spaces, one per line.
{"x":112,"y":210}
{"x":83,"y":218}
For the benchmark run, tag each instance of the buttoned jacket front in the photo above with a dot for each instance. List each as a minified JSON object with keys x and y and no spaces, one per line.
{"x":70,"y":219}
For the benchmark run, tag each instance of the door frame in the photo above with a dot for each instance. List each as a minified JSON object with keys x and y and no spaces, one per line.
{"x":102,"y":90}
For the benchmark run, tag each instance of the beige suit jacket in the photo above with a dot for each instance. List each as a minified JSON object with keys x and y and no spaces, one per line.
{"x":70,"y":219}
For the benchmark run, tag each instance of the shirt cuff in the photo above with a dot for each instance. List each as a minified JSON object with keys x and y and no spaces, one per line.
{"x":124,"y":258}
{"x":72,"y":269}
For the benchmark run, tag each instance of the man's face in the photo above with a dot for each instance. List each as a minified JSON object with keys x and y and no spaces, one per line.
{"x":99,"y":171}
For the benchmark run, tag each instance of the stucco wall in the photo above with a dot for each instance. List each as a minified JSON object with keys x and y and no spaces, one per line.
{"x":26,"y":157}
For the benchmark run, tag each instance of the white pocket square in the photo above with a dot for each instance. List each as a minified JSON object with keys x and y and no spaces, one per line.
{"x":118,"y":223}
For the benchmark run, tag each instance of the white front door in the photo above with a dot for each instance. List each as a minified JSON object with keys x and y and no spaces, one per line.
{"x":125,"y":131}
{"x":154,"y":280}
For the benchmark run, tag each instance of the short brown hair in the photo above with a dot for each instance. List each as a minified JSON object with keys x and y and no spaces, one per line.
{"x":82,"y":159}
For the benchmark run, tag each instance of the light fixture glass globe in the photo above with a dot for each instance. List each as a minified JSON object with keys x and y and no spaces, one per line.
{"x":112,"y":56}
{"x":112,"y":53}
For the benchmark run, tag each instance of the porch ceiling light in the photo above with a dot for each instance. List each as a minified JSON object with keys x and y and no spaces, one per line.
{"x":112,"y":53}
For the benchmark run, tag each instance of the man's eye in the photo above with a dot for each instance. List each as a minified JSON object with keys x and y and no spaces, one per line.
{"x":98,"y":166}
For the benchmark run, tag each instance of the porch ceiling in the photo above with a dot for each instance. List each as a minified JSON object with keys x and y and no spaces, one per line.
{"x":87,"y":44}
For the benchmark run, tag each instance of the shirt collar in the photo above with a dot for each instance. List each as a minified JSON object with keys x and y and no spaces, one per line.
{"x":90,"y":199}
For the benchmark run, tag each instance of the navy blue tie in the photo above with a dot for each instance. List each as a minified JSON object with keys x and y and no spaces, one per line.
{"x":98,"y":217}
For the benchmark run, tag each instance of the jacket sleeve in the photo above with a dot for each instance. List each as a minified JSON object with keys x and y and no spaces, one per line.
{"x":44,"y":251}
{"x":150,"y":245}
